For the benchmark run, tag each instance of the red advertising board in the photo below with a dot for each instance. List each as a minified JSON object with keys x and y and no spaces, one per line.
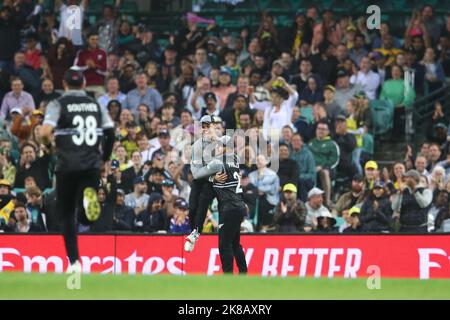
{"x":267,"y":255}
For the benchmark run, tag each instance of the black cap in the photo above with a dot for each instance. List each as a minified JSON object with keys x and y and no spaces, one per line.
{"x":342,"y":73}
{"x":181,"y":204}
{"x":168,"y":183}
{"x":210,"y":95}
{"x":164,"y":133}
{"x":74,"y":77}
{"x":341,"y":117}
{"x":138,"y":180}
{"x":358,"y":177}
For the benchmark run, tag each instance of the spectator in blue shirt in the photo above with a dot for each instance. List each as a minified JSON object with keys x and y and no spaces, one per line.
{"x":143,"y":94}
{"x":180,"y":221}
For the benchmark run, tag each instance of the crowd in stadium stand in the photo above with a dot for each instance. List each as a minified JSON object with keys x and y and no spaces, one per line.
{"x":314,"y":84}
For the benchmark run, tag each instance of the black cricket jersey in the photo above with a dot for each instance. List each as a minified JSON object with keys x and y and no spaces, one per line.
{"x":229,"y":193}
{"x":79,"y":122}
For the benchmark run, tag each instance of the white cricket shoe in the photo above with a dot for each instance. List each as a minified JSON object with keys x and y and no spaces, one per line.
{"x":191,"y":240}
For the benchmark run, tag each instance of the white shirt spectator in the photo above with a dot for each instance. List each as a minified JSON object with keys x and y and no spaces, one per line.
{"x":369,"y":81}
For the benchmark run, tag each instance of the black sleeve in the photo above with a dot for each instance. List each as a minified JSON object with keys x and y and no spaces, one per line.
{"x":108,"y":143}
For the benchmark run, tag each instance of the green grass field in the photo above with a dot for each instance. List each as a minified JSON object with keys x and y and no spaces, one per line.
{"x":94,"y":286}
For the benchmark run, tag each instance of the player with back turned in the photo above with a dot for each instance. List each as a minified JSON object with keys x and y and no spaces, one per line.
{"x":81,"y":129}
{"x":232,"y":209}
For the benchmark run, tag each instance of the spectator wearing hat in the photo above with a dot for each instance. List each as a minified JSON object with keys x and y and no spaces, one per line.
{"x":154,"y":217}
{"x":344,"y":89}
{"x":347,"y":144}
{"x":24,"y":122}
{"x":116,"y":174}
{"x":277,"y":71}
{"x":290,"y":213}
{"x":168,"y":187}
{"x":371,"y":174}
{"x":326,"y":155}
{"x":366,"y":78}
{"x":331,"y":106}
{"x":314,"y":207}
{"x":179,"y":223}
{"x":401,"y":95}
{"x":300,"y":153}
{"x":410,"y":204}
{"x":325,"y":222}
{"x":16,"y":98}
{"x":156,"y":175}
{"x":112,"y":92}
{"x":438,"y":208}
{"x":352,"y":198}
{"x":355,"y":223}
{"x":288,"y":170}
{"x":123,"y":218}
{"x":284,"y":98}
{"x":138,"y":199}
{"x":376,"y":212}
{"x":196,"y":101}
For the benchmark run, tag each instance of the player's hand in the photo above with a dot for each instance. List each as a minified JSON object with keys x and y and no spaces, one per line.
{"x":220,"y":177}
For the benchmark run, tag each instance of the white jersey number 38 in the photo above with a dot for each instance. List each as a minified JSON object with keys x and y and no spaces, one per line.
{"x":87,"y":130}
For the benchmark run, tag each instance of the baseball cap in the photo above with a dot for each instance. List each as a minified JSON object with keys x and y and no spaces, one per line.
{"x":206,"y":119}
{"x":279,"y":62}
{"x":351,"y":27}
{"x":115,"y":164}
{"x":224,"y":70}
{"x":74,"y":77}
{"x":342,"y":73}
{"x":329,"y":87}
{"x":120,"y":191}
{"x":413,"y":174}
{"x":164,"y":133}
{"x":290,"y":187}
{"x":4,"y":182}
{"x":210,"y":95}
{"x":378,"y":184}
{"x":440,"y":125}
{"x":325,"y":213}
{"x":138,"y":180}
{"x":341,"y":117}
{"x":353,"y":210}
{"x":371,"y":165}
{"x":181,"y":204}
{"x":16,"y":110}
{"x":315,"y":192}
{"x":37,"y":113}
{"x":357,"y":177}
{"x":168,"y":183}
{"x":360,"y":94}
{"x":216,"y":119}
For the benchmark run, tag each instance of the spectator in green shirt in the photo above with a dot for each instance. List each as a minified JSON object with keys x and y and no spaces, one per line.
{"x":402,"y":96}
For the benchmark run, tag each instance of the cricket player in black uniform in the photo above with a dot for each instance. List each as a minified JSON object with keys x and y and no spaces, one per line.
{"x":81,"y":127}
{"x":232,"y":210}
{"x":203,"y":166}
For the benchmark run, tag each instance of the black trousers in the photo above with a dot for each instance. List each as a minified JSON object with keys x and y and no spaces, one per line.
{"x":201,"y":196}
{"x":229,"y":240}
{"x":69,"y":201}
